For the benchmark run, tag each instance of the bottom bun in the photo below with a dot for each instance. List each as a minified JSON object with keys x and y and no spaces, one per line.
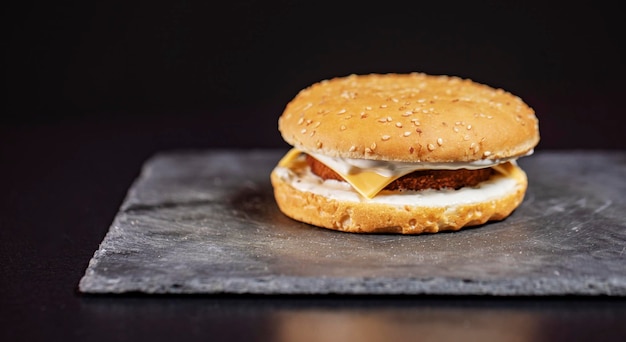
{"x":335,"y":205}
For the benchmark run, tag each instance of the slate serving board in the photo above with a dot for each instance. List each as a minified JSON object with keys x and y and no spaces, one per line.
{"x":206,"y":222}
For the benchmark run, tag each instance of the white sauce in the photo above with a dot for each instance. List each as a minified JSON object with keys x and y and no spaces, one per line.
{"x":497,"y":187}
{"x":391,"y":168}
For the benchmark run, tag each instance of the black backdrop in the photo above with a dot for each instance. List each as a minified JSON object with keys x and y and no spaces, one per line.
{"x":207,"y":73}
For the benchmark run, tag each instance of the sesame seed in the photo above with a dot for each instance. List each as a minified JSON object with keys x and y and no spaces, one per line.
{"x":300,"y":121}
{"x":368,"y":108}
{"x":368,"y":150}
{"x":341,"y":111}
{"x":431,"y":147}
{"x":407,"y":133}
{"x":373,"y":146}
{"x":303,"y":131}
{"x":352,"y":148}
{"x":439,"y":141}
{"x":389,"y":119}
{"x":456,"y":129}
{"x":342,"y":127}
{"x":394,"y":100}
{"x":399,"y":124}
{"x":425,"y":111}
{"x":363,"y":115}
{"x":345,"y":95}
{"x":383,"y":106}
{"x":319,"y":144}
{"x":469,"y":126}
{"x":317,"y":124}
{"x":466,"y":137}
{"x":385,"y":137}
{"x":407,"y":113}
{"x":347,"y":117}
{"x":486,"y":153}
{"x":382,"y":120}
{"x":308,"y":121}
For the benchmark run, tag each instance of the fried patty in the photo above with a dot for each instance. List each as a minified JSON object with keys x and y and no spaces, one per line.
{"x":417,"y":180}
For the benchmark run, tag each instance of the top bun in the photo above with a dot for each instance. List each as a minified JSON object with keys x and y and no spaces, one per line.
{"x":409,"y":117}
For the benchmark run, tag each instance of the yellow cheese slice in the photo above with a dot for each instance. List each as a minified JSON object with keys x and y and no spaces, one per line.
{"x":366,"y":183}
{"x":504,"y":168}
{"x":289,"y":157}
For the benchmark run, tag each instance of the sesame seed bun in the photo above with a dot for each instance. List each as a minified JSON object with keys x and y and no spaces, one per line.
{"x":414,"y":121}
{"x":409,"y":117}
{"x":339,"y":208}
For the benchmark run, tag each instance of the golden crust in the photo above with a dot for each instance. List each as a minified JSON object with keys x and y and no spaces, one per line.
{"x":368,"y":217}
{"x":409,"y":117}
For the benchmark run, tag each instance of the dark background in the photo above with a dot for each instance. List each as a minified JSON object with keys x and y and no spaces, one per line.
{"x":94,"y":88}
{"x":206,"y":73}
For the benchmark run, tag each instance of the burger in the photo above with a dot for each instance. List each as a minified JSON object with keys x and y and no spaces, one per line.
{"x":403,"y":153}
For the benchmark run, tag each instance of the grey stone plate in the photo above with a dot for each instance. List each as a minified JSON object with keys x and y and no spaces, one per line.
{"x":206,"y":222}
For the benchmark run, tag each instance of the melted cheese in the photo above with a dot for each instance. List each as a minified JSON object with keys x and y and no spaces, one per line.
{"x":369,"y":180}
{"x":289,"y":157}
{"x":367,"y":183}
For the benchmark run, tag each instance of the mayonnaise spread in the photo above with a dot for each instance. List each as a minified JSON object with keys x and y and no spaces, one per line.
{"x":301,"y":178}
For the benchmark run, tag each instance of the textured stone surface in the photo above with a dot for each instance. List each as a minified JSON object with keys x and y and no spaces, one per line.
{"x":206,"y":222}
